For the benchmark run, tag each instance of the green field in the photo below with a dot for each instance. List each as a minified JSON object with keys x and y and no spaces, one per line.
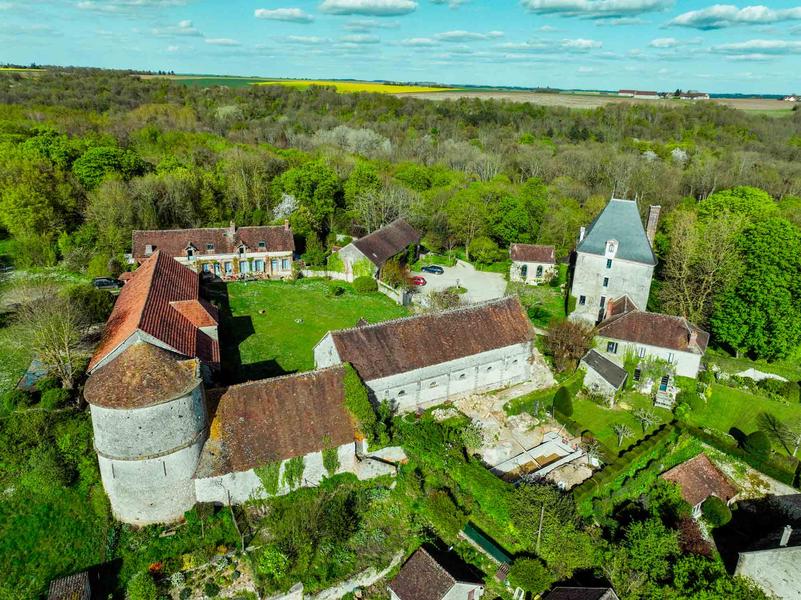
{"x":296,"y":316}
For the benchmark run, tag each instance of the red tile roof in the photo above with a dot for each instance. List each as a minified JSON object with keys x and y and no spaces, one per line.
{"x":225,"y":240}
{"x":422,"y":578}
{"x":410,"y":343}
{"x":383,"y":244}
{"x":532,"y":253}
{"x":146,"y":305}
{"x":142,"y":375}
{"x":271,"y":420}
{"x":654,"y":329}
{"x":699,"y":479}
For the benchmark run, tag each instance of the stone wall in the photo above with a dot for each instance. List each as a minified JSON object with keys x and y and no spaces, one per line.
{"x":597,"y":384}
{"x":516,"y":272}
{"x":626,"y":278}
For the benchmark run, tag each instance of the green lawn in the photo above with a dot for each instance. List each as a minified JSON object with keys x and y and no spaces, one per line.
{"x":789,"y":368}
{"x":296,"y":316}
{"x":729,"y":407}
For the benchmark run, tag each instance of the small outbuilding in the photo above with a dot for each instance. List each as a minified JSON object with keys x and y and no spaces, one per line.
{"x":71,"y":587}
{"x":602,"y":376}
{"x":532,"y":264}
{"x":366,"y":256}
{"x":424,"y":577}
{"x":699,"y":478}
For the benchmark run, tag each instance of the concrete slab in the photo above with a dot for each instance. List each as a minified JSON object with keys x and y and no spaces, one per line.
{"x":480,"y":285}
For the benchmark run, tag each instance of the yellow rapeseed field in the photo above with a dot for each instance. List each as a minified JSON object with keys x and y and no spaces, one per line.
{"x":356,"y":86}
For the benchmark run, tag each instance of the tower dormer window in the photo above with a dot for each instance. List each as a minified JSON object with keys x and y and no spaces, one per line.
{"x":262,"y":245}
{"x":611,"y":248}
{"x":149,"y":249}
{"x":210,"y":247}
{"x":241,"y":250}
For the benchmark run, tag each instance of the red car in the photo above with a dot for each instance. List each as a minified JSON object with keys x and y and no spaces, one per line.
{"x":417,"y":280}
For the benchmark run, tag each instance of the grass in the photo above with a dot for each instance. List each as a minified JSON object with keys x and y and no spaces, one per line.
{"x":432,"y":258}
{"x":296,"y":316}
{"x":543,"y":398}
{"x":14,"y":359}
{"x":729,"y":407}
{"x":789,"y":368}
{"x":355,"y":86}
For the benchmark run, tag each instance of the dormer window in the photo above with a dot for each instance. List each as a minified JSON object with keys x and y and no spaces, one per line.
{"x":611,"y":248}
{"x":209,"y":247}
{"x":241,"y":250}
{"x":262,"y":245}
{"x":190,"y":253}
{"x":149,"y":249}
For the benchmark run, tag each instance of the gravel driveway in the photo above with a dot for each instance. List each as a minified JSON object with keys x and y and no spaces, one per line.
{"x":480,"y":285}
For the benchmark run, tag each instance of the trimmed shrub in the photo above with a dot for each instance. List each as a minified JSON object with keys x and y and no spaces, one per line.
{"x":692,"y":399}
{"x":54,"y":398}
{"x":715,"y":511}
{"x":211,"y":589}
{"x":15,"y":398}
{"x":706,"y":376}
{"x":538,"y":313}
{"x":531,"y":575}
{"x":757,"y":444}
{"x":335,"y":288}
{"x":563,"y":402}
{"x":365,"y":285}
{"x":141,"y":587}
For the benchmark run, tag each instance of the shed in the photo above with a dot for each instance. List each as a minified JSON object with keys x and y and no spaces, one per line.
{"x":602,"y":376}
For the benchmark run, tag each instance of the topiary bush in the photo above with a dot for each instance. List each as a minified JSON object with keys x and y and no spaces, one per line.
{"x":563,"y":402}
{"x":335,"y":288}
{"x":365,"y":285}
{"x":141,"y":587}
{"x":757,"y":444}
{"x":715,"y":511}
{"x":211,"y":589}
{"x":54,"y":398}
{"x":531,"y":574}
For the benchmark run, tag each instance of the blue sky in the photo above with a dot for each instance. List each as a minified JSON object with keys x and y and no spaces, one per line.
{"x":589,"y":44}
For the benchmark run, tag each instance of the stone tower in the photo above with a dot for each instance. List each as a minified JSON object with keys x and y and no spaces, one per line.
{"x":150,"y":424}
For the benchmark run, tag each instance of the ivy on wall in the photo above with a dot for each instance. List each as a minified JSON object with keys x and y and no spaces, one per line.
{"x":268,"y":475}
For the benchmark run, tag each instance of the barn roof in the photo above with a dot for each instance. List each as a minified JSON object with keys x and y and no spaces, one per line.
{"x":142,"y":375}
{"x":162,"y":300}
{"x":655,"y":329}
{"x":424,"y":577}
{"x":699,"y":478}
{"x":620,"y":221}
{"x":275,"y":419}
{"x":384,"y":243}
{"x":532,"y":253}
{"x":224,"y":240}
{"x":410,"y":343}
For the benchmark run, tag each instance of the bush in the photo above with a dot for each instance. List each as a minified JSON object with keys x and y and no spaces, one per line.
{"x":484,"y":250}
{"x":692,"y":399}
{"x":14,"y":399}
{"x":715,"y":511}
{"x":141,"y":587}
{"x":538,"y":314}
{"x":211,"y":589}
{"x":47,"y":383}
{"x":365,"y":285}
{"x":95,"y":304}
{"x":563,"y":402}
{"x":445,"y":516}
{"x":335,"y":288}
{"x":54,"y":398}
{"x":757,"y":444}
{"x":531,"y":575}
{"x":706,"y":376}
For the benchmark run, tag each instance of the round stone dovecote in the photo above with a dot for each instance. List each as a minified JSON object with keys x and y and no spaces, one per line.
{"x":150,"y":424}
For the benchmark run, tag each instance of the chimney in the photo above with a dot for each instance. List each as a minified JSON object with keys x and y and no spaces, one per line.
{"x":653,"y":221}
{"x":286,"y":224}
{"x":785,"y":536}
{"x":582,"y":233}
{"x":231,"y":230}
{"x":693,"y":337}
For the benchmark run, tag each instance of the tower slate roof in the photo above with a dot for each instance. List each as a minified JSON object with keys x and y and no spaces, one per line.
{"x":409,"y":343}
{"x":619,"y":220}
{"x":384,"y":243}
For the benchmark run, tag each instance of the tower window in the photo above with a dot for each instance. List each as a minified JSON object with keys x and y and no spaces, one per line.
{"x":606,"y":282}
{"x":582,"y":300}
{"x":608,"y":263}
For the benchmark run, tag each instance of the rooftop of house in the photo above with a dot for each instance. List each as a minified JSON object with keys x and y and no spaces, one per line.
{"x":581,"y":593}
{"x":620,"y":221}
{"x":384,"y":243}
{"x":213,"y":240}
{"x":699,"y":478}
{"x":409,"y":343}
{"x":71,"y":587}
{"x":162,"y":300}
{"x":424,"y":577}
{"x":613,"y":374}
{"x":142,"y":375}
{"x":275,"y":419}
{"x":653,"y":329}
{"x":532,"y":253}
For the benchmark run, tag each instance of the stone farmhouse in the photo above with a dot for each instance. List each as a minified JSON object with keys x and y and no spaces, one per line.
{"x":699,"y":478}
{"x":446,"y":577}
{"x":225,"y":252}
{"x":416,"y":362}
{"x":630,"y":331}
{"x":532,"y":264}
{"x":367,"y":255}
{"x":614,"y":258}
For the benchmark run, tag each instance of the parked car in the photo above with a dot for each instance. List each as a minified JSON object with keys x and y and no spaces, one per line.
{"x":435,"y":269}
{"x":107,"y":283}
{"x":417,"y":280}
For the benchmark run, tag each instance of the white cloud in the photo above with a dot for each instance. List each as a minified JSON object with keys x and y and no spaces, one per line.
{"x":369,"y":24}
{"x":467,"y":36}
{"x":308,"y":40}
{"x":548,"y":29}
{"x":126,"y":6}
{"x":720,"y":16}
{"x":375,"y":8}
{"x":222,"y":42}
{"x":449,"y":3}
{"x":360,"y":39}
{"x":581,"y":44}
{"x":668,"y":42}
{"x":184,"y":28}
{"x":760,"y":47}
{"x":6,"y":6}
{"x":578,"y":45}
{"x":172,"y":48}
{"x":419,"y":41}
{"x":586,"y":70}
{"x":293,"y":15}
{"x":595,"y":9}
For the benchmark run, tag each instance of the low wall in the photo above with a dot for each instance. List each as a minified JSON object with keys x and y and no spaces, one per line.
{"x":329,"y":274}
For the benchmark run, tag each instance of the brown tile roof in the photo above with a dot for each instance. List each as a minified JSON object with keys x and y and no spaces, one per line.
{"x":699,"y":479}
{"x":410,"y":343}
{"x":199,"y":312}
{"x":581,"y":593}
{"x":383,"y":244}
{"x":275,"y":419}
{"x":146,"y":304}
{"x":620,"y":306}
{"x":72,"y":587}
{"x":531,"y":253}
{"x":654,"y":329}
{"x":225,"y":240}
{"x":422,"y":578}
{"x":142,"y":375}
